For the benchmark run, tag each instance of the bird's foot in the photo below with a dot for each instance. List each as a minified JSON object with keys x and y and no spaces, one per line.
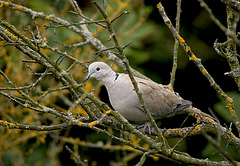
{"x":144,"y":127}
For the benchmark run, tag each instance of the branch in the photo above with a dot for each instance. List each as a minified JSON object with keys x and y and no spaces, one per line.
{"x":176,"y":44}
{"x":34,"y":127}
{"x":228,"y":32}
{"x":233,"y":3}
{"x":83,"y":31}
{"x":232,"y":21}
{"x":67,"y":81}
{"x":197,"y":61}
{"x":77,"y":159}
{"x":217,"y":145}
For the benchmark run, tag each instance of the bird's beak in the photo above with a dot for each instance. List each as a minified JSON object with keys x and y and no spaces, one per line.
{"x":88,"y":76}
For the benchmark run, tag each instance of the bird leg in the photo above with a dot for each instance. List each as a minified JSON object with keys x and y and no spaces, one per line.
{"x":145,"y":126}
{"x":121,"y":133}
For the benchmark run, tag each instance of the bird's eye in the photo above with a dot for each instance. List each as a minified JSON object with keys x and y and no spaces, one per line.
{"x":98,"y":68}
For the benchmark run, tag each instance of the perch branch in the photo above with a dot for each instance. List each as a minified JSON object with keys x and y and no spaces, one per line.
{"x":197,"y":61}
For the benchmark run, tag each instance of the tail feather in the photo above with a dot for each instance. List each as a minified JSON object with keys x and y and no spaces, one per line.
{"x":185,"y":104}
{"x":186,"y":107}
{"x":197,"y":111}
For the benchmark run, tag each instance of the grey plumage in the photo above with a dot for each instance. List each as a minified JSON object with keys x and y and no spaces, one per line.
{"x":160,"y":101}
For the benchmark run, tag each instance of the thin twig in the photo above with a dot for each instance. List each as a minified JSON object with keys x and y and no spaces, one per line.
{"x":77,"y":159}
{"x":176,"y":44}
{"x":219,"y":148}
{"x":38,"y":80}
{"x":122,"y":13}
{"x":143,"y":158}
{"x":197,"y":61}
{"x":73,"y":45}
{"x":227,"y":31}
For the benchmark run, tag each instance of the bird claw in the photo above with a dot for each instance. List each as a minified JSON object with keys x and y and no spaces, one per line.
{"x":145,"y":126}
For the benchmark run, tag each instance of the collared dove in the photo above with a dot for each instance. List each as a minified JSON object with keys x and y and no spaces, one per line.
{"x":161,"y":102}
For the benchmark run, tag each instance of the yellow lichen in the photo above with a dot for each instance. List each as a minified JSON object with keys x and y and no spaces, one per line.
{"x":94,"y":123}
{"x":232,"y":134}
{"x":108,"y":112}
{"x":195,"y":130}
{"x":169,"y":25}
{"x":177,"y":131}
{"x":170,"y":87}
{"x":6,"y":3}
{"x":181,"y":40}
{"x":230,"y":105}
{"x":204,"y":71}
{"x":13,"y":37}
{"x":80,"y":123}
{"x":20,"y":7}
{"x":193,"y":58}
{"x":187,"y":49}
{"x":229,"y":100}
{"x":47,"y":18}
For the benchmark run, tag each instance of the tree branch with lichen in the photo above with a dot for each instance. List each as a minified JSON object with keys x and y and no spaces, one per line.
{"x":98,"y":117}
{"x":197,"y":61}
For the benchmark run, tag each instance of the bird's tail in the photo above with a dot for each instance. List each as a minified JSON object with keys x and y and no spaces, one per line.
{"x":197,"y":111}
{"x":186,"y":106}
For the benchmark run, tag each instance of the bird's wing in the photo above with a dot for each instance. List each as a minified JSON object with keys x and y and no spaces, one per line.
{"x":160,"y":101}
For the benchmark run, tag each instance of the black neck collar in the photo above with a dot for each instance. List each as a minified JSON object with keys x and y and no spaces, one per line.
{"x":117,"y":75}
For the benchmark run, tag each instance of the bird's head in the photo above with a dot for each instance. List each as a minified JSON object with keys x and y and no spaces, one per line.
{"x":99,"y":70}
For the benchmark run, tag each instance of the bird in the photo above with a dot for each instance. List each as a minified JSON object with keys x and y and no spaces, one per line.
{"x":161,"y":102}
